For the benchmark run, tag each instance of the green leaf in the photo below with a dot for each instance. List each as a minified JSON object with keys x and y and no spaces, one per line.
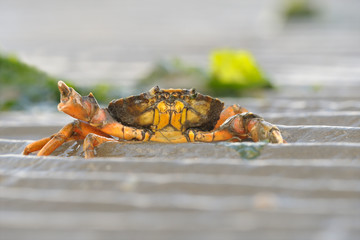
{"x":236,"y":69}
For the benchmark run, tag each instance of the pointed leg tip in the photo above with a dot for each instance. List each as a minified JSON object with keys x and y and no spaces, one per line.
{"x":63,"y":88}
{"x":61,"y":83}
{"x":89,"y":154}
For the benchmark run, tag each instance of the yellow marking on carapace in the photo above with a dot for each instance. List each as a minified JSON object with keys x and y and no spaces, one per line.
{"x":202,"y":107}
{"x":164,"y":120}
{"x":147,"y":118}
{"x":163,"y":107}
{"x":172,"y":90}
{"x":179,"y":106}
{"x":168,"y":136}
{"x":164,"y":116}
{"x":192,"y":116}
{"x":176,"y":120}
{"x":183,"y":116}
{"x":176,"y":115}
{"x":156,"y":117}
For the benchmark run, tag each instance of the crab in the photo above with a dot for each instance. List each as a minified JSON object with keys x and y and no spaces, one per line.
{"x":159,"y":115}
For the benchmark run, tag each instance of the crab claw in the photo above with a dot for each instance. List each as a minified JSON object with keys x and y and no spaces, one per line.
{"x":64,"y":90}
{"x":275,"y":136}
{"x":73,"y":104}
{"x":262,"y":130}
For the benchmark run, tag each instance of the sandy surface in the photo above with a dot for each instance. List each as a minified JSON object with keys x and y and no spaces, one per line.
{"x":306,"y":189}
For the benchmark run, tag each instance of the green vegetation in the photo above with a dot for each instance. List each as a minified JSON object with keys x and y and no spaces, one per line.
{"x":235,"y":71}
{"x":174,"y":74}
{"x":296,"y":9}
{"x":23,"y":85}
{"x":231,"y":74}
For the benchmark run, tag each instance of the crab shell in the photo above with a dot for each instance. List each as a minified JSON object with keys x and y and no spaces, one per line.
{"x":177,"y":109}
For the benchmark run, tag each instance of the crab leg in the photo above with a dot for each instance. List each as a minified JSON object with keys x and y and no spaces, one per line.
{"x":229,"y":112}
{"x":91,"y":141}
{"x":244,"y":125}
{"x":36,"y":146}
{"x":56,"y":140}
{"x":124,"y":132}
{"x":73,"y":131}
{"x":86,"y":108}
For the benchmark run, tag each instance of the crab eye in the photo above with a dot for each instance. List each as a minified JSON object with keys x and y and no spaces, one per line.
{"x":193,"y":96}
{"x":153,"y":91}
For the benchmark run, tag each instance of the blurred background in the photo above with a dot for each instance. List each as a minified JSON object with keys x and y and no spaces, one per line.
{"x":120,"y":43}
{"x":294,"y":62}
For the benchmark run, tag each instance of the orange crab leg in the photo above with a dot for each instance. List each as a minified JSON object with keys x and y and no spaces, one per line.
{"x":83,"y":129}
{"x":73,"y":131}
{"x":244,"y":125}
{"x":39,"y":144}
{"x":229,"y":112}
{"x":124,"y":132}
{"x":229,"y":130}
{"x":56,"y":140}
{"x":91,"y":141}
{"x":36,"y":146}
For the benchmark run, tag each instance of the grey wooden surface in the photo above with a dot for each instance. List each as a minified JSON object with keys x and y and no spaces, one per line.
{"x":306,"y":189}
